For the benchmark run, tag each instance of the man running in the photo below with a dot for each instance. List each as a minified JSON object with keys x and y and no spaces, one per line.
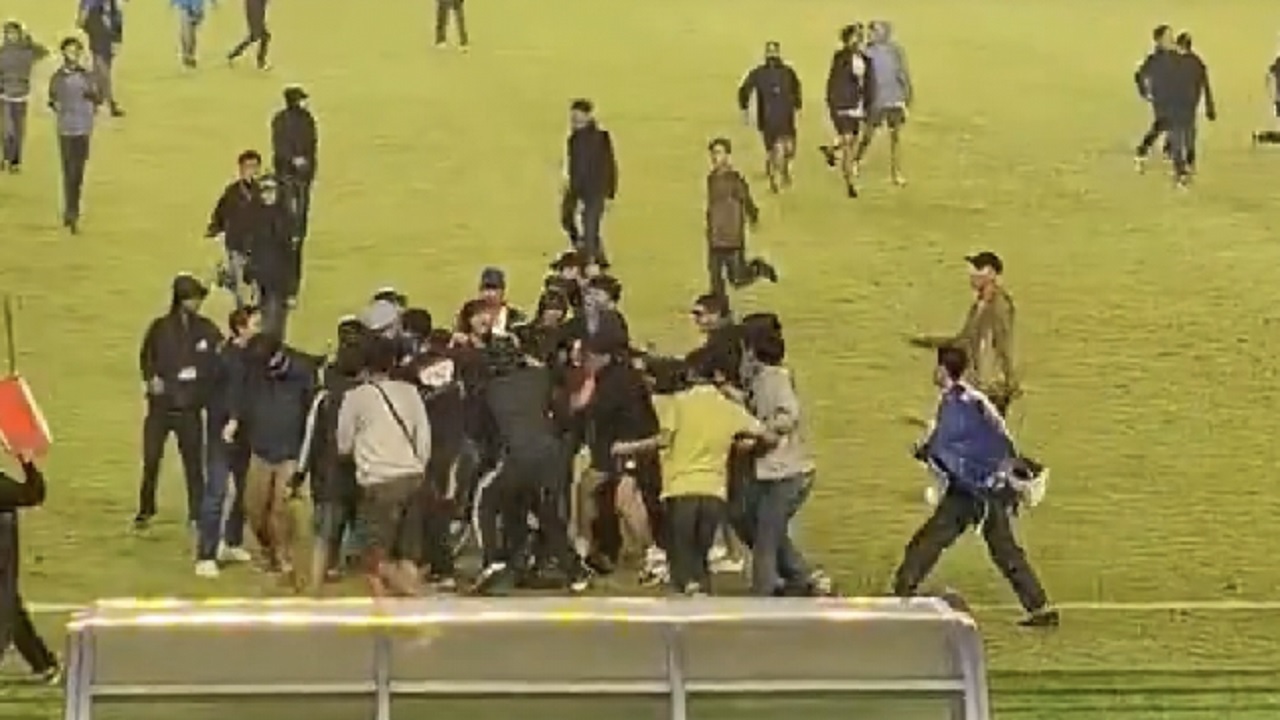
{"x":890,"y":94}
{"x":776,"y":88}
{"x":1151,"y":79}
{"x":846,"y":101}
{"x":255,"y":13}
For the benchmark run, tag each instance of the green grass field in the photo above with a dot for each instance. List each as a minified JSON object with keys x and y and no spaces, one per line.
{"x":1148,"y":327}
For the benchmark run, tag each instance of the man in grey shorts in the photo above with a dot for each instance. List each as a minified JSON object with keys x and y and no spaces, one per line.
{"x":383,"y":425}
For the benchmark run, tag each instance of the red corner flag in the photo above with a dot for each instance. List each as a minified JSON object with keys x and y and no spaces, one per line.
{"x":23,"y":429}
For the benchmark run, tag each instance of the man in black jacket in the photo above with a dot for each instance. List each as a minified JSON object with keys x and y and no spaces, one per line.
{"x":103,"y":24}
{"x":16,"y":627}
{"x":272,"y":265}
{"x":294,"y":147}
{"x":778,"y":96}
{"x":591,"y":181}
{"x":1151,"y":78}
{"x":846,"y":102}
{"x":234,"y":218}
{"x":178,"y":363}
{"x":1189,"y":87}
{"x":221,"y":534}
{"x":520,"y":401}
{"x":255,"y":15}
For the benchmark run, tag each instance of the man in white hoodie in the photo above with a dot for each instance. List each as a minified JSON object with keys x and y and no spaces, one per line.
{"x":383,"y":425}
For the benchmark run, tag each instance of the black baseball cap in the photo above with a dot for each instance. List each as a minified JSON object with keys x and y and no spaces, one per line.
{"x":187,"y":287}
{"x":567,"y":259}
{"x":493,"y":278}
{"x":986,"y":260}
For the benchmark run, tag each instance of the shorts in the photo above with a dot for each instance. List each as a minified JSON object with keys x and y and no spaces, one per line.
{"x":774,"y":133}
{"x":894,"y":116}
{"x":847,"y":122}
{"x":386,"y":516}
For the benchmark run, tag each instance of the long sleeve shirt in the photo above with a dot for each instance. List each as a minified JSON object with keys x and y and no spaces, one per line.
{"x":15,"y":495}
{"x":74,"y":99}
{"x":368,"y":430}
{"x":730,"y":208}
{"x":774,"y":402}
{"x":777,"y":92}
{"x":17,"y":61}
{"x":969,"y":441}
{"x":592,"y":166}
{"x":987,"y":338}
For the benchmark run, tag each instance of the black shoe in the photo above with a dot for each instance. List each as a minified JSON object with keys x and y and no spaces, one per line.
{"x":73,"y":226}
{"x":141,"y":523}
{"x":599,"y":564}
{"x":828,"y":154}
{"x":1041,"y":619}
{"x":851,"y":191}
{"x":767,"y":271}
{"x":51,"y":675}
{"x":189,"y":63}
{"x":116,"y":111}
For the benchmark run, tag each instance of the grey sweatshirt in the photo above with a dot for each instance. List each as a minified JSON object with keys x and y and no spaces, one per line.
{"x":773,"y":400}
{"x":73,"y":95}
{"x":17,"y":61}
{"x":368,"y":431}
{"x":890,"y":79}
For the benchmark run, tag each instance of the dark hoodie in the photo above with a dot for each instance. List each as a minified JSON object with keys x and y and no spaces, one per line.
{"x":279,"y":387}
{"x":181,"y":349}
{"x":294,"y":135}
{"x":332,"y":475}
{"x":271,"y":251}
{"x":234,"y":216}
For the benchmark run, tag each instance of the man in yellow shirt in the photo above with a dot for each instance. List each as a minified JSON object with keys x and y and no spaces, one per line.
{"x":699,"y":427}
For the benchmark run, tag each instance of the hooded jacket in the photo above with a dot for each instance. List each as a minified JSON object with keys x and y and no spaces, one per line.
{"x":17,"y":61}
{"x":272,"y":253}
{"x":294,"y":135}
{"x":181,"y":349}
{"x":234,"y":216}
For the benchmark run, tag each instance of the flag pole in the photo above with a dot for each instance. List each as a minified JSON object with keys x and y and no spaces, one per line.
{"x":11,"y":348}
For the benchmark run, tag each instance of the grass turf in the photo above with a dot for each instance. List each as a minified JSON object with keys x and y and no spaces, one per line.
{"x":1146,"y":329}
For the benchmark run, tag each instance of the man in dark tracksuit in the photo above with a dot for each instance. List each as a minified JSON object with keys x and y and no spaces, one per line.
{"x":221,"y":535}
{"x":234,"y":217}
{"x":730,"y":209}
{"x":778,"y":96}
{"x":1149,"y":78}
{"x":178,"y":362}
{"x":847,"y":103}
{"x":74,"y":98}
{"x":294,"y":147}
{"x":519,"y":399}
{"x":103,"y":24}
{"x":456,"y":9}
{"x":16,"y":627}
{"x":591,"y":181}
{"x":255,"y":15}
{"x":1190,"y":85}
{"x":272,"y":265}
{"x":970,"y":448}
{"x":19,"y":55}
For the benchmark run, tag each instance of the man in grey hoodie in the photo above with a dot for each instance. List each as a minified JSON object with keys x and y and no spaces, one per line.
{"x":890,"y":95}
{"x":19,"y":54}
{"x":783,"y":474}
{"x":383,"y":426}
{"x":74,"y":98}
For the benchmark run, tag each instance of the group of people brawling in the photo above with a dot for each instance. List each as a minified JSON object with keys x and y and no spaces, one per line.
{"x":409,"y":430}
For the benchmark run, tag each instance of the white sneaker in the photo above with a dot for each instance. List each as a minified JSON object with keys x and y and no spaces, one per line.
{"x":229,"y":554}
{"x":728,"y":566}
{"x":207,"y":569}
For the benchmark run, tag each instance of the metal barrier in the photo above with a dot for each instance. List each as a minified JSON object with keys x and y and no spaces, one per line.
{"x":663,"y":648}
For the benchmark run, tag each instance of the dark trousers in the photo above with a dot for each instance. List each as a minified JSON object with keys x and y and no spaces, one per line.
{"x":225,"y":468}
{"x":527,"y":481}
{"x":692,"y":523}
{"x":445,"y":8}
{"x":955,"y":513}
{"x":1182,"y":145}
{"x":259,"y":35}
{"x":1158,"y":127}
{"x":74,"y":150}
{"x":275,"y":312}
{"x":777,"y":562}
{"x":188,"y":426}
{"x":581,"y":218}
{"x":16,"y":627}
{"x":14,"y":122}
{"x":300,"y":209}
{"x":437,"y":513}
{"x":730,"y":266}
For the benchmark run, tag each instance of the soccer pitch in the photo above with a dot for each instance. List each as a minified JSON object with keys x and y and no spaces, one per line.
{"x":1147,"y":329}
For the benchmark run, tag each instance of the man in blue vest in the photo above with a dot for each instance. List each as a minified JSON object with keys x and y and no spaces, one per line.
{"x":970,"y":449}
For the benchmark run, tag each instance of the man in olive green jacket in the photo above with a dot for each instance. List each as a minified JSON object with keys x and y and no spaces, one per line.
{"x":987,"y":335}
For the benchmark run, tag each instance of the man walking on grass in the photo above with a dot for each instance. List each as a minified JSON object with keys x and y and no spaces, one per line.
{"x":1272,"y":136}
{"x":846,"y":102}
{"x":74,"y":98}
{"x":103,"y":24}
{"x":1152,"y":79}
{"x":190,"y":18}
{"x":987,"y":335}
{"x":590,"y":182}
{"x":455,"y":9}
{"x":730,"y":210}
{"x":890,"y":94}
{"x":1190,"y":88}
{"x":776,"y":88}
{"x":255,"y":13}
{"x":295,"y":144}
{"x":19,"y":54}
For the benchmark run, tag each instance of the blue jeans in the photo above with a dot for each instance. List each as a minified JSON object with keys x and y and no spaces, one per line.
{"x":224,"y":464}
{"x":776,"y":561}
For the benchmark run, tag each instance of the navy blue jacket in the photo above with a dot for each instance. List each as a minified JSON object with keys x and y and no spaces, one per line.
{"x":275,"y":409}
{"x":968,"y":442}
{"x":227,"y":392}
